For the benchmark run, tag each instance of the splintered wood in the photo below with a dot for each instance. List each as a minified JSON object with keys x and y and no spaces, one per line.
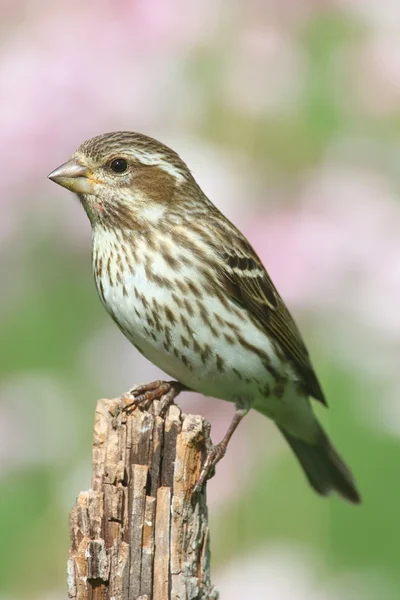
{"x":141,"y":533}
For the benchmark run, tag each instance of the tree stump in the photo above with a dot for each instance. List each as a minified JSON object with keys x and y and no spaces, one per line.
{"x":141,"y":533}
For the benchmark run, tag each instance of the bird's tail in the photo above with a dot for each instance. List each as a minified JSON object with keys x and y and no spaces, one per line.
{"x":324,"y":468}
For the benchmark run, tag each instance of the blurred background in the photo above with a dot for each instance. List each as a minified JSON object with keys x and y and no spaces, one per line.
{"x":288,"y":113}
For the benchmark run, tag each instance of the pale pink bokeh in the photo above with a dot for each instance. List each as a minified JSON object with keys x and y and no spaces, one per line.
{"x":287,"y":572}
{"x":375,"y":72}
{"x":73,"y":70}
{"x":265,"y":73}
{"x":338,"y":247}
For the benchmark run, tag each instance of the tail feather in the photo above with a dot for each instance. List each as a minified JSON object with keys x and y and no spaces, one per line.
{"x":324,"y":468}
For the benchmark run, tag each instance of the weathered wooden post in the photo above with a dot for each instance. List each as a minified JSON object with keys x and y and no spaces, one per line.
{"x":141,"y":533}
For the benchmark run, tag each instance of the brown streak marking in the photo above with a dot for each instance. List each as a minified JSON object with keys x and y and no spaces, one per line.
{"x":220,"y":320}
{"x":149,"y":320}
{"x":220,"y":364}
{"x":194,"y":289}
{"x":167,"y":342}
{"x":129,"y":257}
{"x":181,"y":286}
{"x":109,"y":271}
{"x":229,"y":338}
{"x":177,"y":300}
{"x":210,"y":289}
{"x":167,"y":256}
{"x":206,"y":320}
{"x":185,"y":260}
{"x":147,"y":269}
{"x":196,"y":346}
{"x":119,"y":216}
{"x":167,"y":333}
{"x":239,"y":313}
{"x":162,"y":281}
{"x":186,"y":362}
{"x":156,"y":320}
{"x":101,"y":289}
{"x":99,"y":266}
{"x":188,"y":307}
{"x":184,"y":241}
{"x":184,"y":341}
{"x":144,"y":301}
{"x":237,"y":373}
{"x":205,"y":353}
{"x":248,"y":346}
{"x":234,"y":327}
{"x":170,"y":315}
{"x":185,"y":323}
{"x":157,"y":279}
{"x":151,"y":241}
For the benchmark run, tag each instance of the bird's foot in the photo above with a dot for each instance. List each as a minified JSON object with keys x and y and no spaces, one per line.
{"x":214,"y":455}
{"x":144,"y":395}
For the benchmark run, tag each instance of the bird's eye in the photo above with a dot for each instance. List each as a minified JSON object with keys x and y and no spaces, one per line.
{"x":119,"y":165}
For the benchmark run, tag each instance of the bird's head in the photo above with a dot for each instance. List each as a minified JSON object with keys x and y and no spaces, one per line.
{"x":125,"y":179}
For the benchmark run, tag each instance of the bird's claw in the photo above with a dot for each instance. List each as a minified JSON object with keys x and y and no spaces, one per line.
{"x":214,"y":455}
{"x":144,"y":395}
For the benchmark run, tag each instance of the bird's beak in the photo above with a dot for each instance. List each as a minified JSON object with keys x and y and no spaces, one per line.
{"x":73,"y":176}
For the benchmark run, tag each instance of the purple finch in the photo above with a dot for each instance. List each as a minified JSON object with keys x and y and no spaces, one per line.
{"x":190,"y":293}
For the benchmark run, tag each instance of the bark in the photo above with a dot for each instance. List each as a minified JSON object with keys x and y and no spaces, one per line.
{"x":141,"y":533}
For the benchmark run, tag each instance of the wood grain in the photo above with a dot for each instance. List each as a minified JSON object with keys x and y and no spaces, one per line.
{"x":141,"y":533}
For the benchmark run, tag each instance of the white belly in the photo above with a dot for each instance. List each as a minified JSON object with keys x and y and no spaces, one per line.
{"x":192,"y":337}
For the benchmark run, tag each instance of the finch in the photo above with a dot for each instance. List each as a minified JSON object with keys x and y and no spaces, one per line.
{"x":190,"y":293}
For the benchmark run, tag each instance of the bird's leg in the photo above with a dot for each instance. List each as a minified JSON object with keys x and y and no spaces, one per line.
{"x":215,"y":453}
{"x":147,"y":393}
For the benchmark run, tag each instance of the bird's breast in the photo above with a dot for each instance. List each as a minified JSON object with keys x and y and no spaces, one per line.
{"x":167,"y":309}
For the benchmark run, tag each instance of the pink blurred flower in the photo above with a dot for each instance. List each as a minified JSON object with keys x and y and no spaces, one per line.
{"x":338,"y":248}
{"x":71,"y":71}
{"x":265,"y":71}
{"x":375,"y":65}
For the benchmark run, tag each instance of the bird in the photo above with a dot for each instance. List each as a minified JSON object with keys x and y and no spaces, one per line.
{"x":187,"y":289}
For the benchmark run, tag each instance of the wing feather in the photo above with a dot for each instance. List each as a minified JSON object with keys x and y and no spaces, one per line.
{"x":249,"y":284}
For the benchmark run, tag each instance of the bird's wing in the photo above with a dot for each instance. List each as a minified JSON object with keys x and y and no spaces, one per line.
{"x":247,"y":282}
